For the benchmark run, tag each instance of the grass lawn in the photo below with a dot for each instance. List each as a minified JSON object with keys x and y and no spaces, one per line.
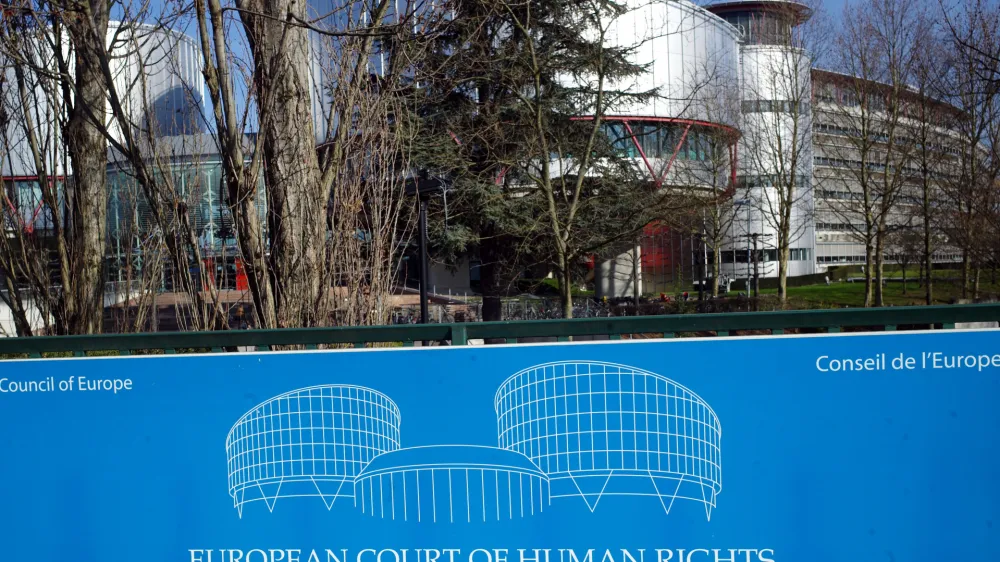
{"x":853,"y":294}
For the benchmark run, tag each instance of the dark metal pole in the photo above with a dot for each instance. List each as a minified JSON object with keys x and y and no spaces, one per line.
{"x":701,"y":266}
{"x":636,"y":256}
{"x":756,"y":271}
{"x":424,"y":281}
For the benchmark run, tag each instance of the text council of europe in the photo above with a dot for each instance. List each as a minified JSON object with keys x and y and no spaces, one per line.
{"x":70,"y":384}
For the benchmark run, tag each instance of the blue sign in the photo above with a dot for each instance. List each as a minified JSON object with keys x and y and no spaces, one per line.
{"x":778,"y":449}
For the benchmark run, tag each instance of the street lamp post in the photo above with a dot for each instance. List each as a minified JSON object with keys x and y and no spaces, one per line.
{"x":423,"y":188}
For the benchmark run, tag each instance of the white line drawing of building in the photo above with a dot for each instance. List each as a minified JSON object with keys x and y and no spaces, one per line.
{"x":602,"y":429}
{"x":453,"y":484}
{"x":310,"y":442}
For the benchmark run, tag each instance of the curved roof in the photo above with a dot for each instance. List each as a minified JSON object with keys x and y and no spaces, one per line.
{"x":450,"y":457}
{"x":802,"y":11}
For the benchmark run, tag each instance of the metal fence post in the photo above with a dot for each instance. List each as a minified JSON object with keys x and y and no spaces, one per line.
{"x":459,"y":335}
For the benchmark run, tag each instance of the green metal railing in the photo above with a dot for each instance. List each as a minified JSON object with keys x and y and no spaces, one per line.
{"x":808,"y":321}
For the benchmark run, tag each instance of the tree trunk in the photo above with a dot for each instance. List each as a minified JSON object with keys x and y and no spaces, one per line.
{"x":16,"y":305}
{"x":240,"y":186}
{"x":565,"y":287}
{"x":966,"y":273}
{"x":869,"y":263}
{"x":716,"y":266}
{"x":87,"y":24}
{"x":928,"y":260}
{"x":783,"y":273}
{"x":903,"y":266}
{"x":636,"y":256}
{"x":297,"y":200}
{"x":928,"y":271}
{"x":784,"y":242}
{"x":489,"y":274}
{"x":879,"y":269}
{"x":975,"y":281}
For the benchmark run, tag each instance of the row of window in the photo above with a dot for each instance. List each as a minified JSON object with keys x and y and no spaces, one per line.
{"x":659,"y":140}
{"x":856,"y":165}
{"x":853,"y":132}
{"x":840,"y":259}
{"x":840,"y":195}
{"x":888,"y":257}
{"x":775,"y":106}
{"x":839,"y":226}
{"x":769,"y":180}
{"x":762,"y":28}
{"x":910,"y":106}
{"x":743,"y":256}
{"x":849,"y":98}
{"x":799,"y":254}
{"x":128,"y":208}
{"x":901,"y":199}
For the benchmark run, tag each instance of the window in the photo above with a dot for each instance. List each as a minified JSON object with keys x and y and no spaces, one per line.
{"x":774,"y":106}
{"x":840,"y":259}
{"x":839,"y":226}
{"x":658,"y":140}
{"x":769,"y":181}
{"x":799,"y":254}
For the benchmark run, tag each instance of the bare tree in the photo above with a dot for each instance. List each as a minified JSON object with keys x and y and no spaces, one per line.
{"x":877,"y":53}
{"x":131,"y":53}
{"x":56,"y":117}
{"x":932,"y":156}
{"x":975,"y":92}
{"x":322,"y":200}
{"x":972,"y":27}
{"x":905,"y":247}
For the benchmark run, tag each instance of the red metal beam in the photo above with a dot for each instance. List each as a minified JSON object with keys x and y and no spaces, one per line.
{"x":9,"y":204}
{"x":30,"y":226}
{"x":34,"y":215}
{"x":677,"y":120}
{"x":673,"y":156}
{"x":638,"y":146}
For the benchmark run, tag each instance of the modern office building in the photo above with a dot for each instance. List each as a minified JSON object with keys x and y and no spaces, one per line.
{"x":839,"y":216}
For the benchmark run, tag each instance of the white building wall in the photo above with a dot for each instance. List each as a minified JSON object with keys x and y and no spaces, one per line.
{"x":156,"y":73}
{"x":773,"y":78}
{"x":690,"y":55}
{"x":615,"y":273}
